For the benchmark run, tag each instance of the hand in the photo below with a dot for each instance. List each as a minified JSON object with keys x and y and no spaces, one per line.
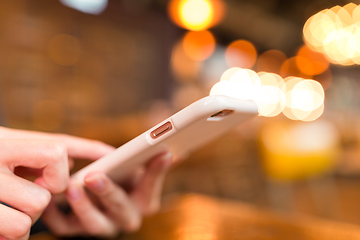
{"x":46,"y":153}
{"x":114,"y":209}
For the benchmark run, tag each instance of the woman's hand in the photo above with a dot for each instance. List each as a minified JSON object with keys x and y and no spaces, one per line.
{"x":114,"y":209}
{"x":48,"y":155}
{"x":28,"y":199}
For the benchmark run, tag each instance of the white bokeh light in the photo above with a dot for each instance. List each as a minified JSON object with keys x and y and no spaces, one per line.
{"x":87,"y":6}
{"x":297,"y":98}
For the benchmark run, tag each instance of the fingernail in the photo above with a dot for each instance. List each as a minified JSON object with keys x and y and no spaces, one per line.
{"x":73,"y":192}
{"x":2,"y":238}
{"x":95,"y":181}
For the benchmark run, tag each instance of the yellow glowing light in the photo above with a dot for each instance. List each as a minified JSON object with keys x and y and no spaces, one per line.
{"x":292,"y":150}
{"x":356,"y":16}
{"x":199,"y":45}
{"x":241,"y":53}
{"x":196,"y":14}
{"x":335,"y":33}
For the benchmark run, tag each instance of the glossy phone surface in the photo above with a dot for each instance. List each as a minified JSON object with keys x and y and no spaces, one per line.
{"x":182,"y":133}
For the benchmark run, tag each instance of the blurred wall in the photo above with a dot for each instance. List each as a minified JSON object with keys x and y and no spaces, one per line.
{"x":66,"y":71}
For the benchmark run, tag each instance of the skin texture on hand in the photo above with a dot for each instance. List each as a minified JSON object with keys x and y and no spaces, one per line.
{"x":114,"y":209}
{"x":49,"y":154}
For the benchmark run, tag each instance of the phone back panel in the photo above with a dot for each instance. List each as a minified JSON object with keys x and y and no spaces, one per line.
{"x":191,"y":128}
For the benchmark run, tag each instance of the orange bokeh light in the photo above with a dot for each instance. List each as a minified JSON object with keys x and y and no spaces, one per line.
{"x":196,"y":15}
{"x":199,"y":45}
{"x":241,"y":53}
{"x":311,"y":63}
{"x":270,"y":61}
{"x":290,"y":67}
{"x":184,"y":68}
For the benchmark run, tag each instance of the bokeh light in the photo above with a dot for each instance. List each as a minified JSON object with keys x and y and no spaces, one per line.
{"x":270,"y":61}
{"x":335,"y":32}
{"x":241,"y":53}
{"x":293,"y":151}
{"x":311,"y":63}
{"x":271,"y":99}
{"x":199,"y":45}
{"x":87,"y":6}
{"x":238,"y":83}
{"x":297,"y":98}
{"x":64,"y":49}
{"x":196,"y":15}
{"x":226,"y":76}
{"x":304,"y":99}
{"x":290,"y":67}
{"x":183,"y":67}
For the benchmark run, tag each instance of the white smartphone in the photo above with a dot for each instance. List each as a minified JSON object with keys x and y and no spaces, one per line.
{"x":185,"y":131}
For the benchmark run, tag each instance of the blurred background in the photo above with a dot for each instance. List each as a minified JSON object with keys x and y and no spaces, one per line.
{"x":111,"y":69}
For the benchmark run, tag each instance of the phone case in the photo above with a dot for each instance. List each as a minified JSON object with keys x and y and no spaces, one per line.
{"x":185,"y":131}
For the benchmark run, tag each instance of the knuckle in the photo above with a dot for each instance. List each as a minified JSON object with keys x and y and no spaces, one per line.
{"x":43,"y":199}
{"x":55,"y":151}
{"x":59,"y":151}
{"x":22,"y":227}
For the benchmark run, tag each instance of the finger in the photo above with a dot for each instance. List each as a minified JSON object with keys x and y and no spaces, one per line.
{"x":133,"y":179}
{"x":77,"y":147}
{"x":50,"y":156}
{"x":61,"y":224}
{"x":147,"y":194}
{"x":116,"y":202}
{"x":23,"y":195}
{"x":90,"y":217}
{"x":14,"y":224}
{"x":84,"y":148}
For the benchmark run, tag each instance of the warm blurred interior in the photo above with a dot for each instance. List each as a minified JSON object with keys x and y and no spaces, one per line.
{"x":118,"y":67}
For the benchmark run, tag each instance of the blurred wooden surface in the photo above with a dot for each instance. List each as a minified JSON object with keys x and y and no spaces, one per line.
{"x":200,"y":217}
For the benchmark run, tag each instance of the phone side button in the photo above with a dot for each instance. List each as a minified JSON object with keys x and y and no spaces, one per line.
{"x":166,"y":127}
